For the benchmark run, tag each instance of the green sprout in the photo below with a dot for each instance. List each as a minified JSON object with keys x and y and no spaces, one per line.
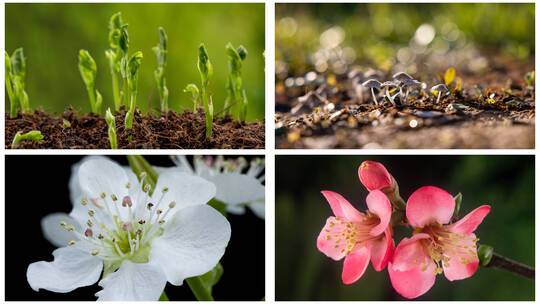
{"x":32,"y":135}
{"x":132,"y":73}
{"x":235,"y":93}
{"x":116,"y":53}
{"x":66,"y":123}
{"x":192,"y":88}
{"x":159,"y":74}
{"x":15,"y":74}
{"x":88,"y":69}
{"x":109,"y":118}
{"x":529,"y":78}
{"x":206,"y":70}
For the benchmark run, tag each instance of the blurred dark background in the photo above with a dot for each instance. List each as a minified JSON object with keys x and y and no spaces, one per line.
{"x":331,"y":36}
{"x":506,"y":183}
{"x":52,"y":34}
{"x":38,"y":185}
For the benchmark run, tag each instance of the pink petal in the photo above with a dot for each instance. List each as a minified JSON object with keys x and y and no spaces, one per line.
{"x":470,"y":222}
{"x":458,"y":270}
{"x":379,"y":204}
{"x":341,"y":207}
{"x":329,"y":241}
{"x":355,"y":265}
{"x":428,"y":205}
{"x":381,"y":250}
{"x":409,"y":253}
{"x":374,"y":175}
{"x":414,"y":282}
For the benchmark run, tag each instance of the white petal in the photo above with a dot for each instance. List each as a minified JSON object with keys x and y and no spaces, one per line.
{"x":182,"y":164}
{"x":70,"y":269}
{"x":133,"y":282}
{"x":192,"y":243}
{"x":233,"y":188}
{"x":56,"y":234}
{"x":98,"y":176}
{"x":258,"y":209}
{"x":186,"y":190}
{"x":238,"y":210}
{"x":75,"y":190}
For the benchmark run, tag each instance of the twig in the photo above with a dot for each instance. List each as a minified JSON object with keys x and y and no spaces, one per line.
{"x":504,"y":263}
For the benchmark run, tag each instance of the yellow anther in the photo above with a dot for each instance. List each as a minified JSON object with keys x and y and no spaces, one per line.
{"x":331,"y":224}
{"x":91,"y":212}
{"x":165,"y":190}
{"x":95,"y":252}
{"x":63,"y":224}
{"x":102,"y":195}
{"x":172,"y":204}
{"x":84,"y":201}
{"x":161,"y":222}
{"x":336,"y":246}
{"x":70,"y":228}
{"x":71,"y":243}
{"x":128,"y":185}
{"x":89,"y":223}
{"x":114,"y":198}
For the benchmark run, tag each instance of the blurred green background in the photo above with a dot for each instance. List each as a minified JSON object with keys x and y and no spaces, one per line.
{"x":52,"y":35}
{"x":389,"y":33}
{"x":506,"y":183}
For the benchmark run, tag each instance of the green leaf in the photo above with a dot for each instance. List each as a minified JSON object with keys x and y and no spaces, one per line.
{"x":66,"y":123}
{"x":219,"y":206}
{"x":18,"y":63}
{"x":123,"y":41}
{"x":212,"y":277}
{"x":235,"y":61}
{"x":192,"y":88}
{"x":241,"y":50}
{"x":458,"y":198}
{"x":449,"y":76}
{"x":204,"y":65}
{"x":32,"y":135}
{"x":163,"y":297}
{"x":88,"y":69}
{"x":485,"y":253}
{"x":139,"y":165}
{"x":7,"y":64}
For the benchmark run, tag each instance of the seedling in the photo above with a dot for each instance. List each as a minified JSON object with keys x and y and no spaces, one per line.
{"x":206,"y":70}
{"x":32,"y":135}
{"x":111,"y":122}
{"x":88,"y":69}
{"x":452,"y":82}
{"x":117,"y":36}
{"x":66,"y":123}
{"x":132,"y":75}
{"x":15,"y":74}
{"x":529,"y":78}
{"x":159,"y":74}
{"x":192,"y":88}
{"x":235,"y":93}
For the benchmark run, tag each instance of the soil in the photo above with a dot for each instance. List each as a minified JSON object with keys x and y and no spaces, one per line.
{"x":326,"y":116}
{"x":171,"y":130}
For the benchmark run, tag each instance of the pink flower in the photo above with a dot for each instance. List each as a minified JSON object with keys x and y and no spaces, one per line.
{"x":357,"y":236}
{"x":374,"y":176}
{"x":434,"y":246}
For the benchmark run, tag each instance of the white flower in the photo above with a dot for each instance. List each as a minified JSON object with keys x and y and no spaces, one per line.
{"x":233,"y":187}
{"x":138,"y":241}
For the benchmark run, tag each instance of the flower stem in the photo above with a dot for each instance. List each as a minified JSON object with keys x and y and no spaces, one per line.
{"x":198,"y":289}
{"x":504,"y":263}
{"x":163,"y":297}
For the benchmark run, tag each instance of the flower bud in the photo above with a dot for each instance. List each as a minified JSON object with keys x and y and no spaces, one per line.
{"x":374,"y":176}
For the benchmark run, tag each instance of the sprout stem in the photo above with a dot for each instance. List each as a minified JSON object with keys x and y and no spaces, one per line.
{"x":12,"y":98}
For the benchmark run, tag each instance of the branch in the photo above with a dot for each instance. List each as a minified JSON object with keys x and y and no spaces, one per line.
{"x":504,"y":263}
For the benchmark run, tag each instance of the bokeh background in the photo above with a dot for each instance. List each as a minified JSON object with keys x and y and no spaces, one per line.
{"x":506,"y":183}
{"x":38,"y":185}
{"x":52,"y":34}
{"x":329,"y":37}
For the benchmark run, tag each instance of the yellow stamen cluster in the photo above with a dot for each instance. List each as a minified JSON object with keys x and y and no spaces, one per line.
{"x":445,"y":246}
{"x":347,"y":235}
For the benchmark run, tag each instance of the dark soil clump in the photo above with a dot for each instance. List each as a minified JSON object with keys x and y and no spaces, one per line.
{"x":170,"y":130}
